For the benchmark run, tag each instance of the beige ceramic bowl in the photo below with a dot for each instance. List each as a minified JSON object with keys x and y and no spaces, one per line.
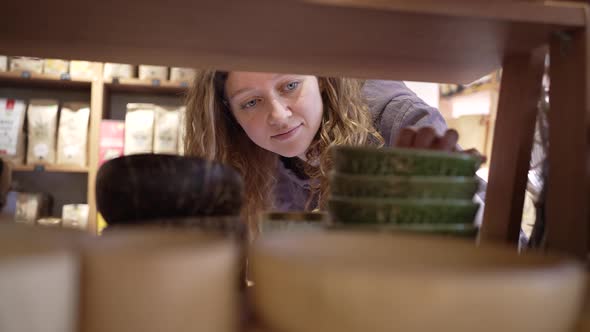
{"x":345,"y":282}
{"x":154,"y":280}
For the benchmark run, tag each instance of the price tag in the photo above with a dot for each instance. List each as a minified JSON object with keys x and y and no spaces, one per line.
{"x":184,"y":84}
{"x":65,"y":77}
{"x":26,"y":74}
{"x":156,"y":82}
{"x":39,"y":168}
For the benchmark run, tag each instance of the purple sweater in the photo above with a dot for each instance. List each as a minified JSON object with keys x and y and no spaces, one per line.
{"x":393,"y":106}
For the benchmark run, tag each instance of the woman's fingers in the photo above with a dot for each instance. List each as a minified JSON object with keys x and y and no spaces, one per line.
{"x":406,"y":138}
{"x":476,"y":153}
{"x":425,"y":138}
{"x":447,"y":142}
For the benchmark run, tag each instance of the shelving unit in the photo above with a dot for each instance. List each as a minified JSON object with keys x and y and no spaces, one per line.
{"x":148,"y":87}
{"x":448,"y":41}
{"x":100,"y":91}
{"x":27,"y":79}
{"x":49,"y":169}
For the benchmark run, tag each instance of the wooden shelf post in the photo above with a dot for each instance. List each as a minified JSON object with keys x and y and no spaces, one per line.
{"x":96,"y":111}
{"x":568,"y":199}
{"x":511,"y":151}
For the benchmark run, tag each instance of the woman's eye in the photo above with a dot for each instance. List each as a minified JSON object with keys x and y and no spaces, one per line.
{"x":249,"y":104}
{"x":291,"y":86}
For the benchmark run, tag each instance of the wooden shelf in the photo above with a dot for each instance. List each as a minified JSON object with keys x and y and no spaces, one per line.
{"x":26,"y":79}
{"x":447,"y":41}
{"x":517,"y":11}
{"x":50,"y":168}
{"x":423,"y":40}
{"x":145,"y":86}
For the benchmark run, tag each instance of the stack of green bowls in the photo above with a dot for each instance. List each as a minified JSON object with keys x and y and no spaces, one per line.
{"x":404,"y":189}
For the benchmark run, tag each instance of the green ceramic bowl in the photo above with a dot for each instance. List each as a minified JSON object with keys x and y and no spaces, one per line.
{"x":395,"y":161}
{"x":443,"y":187}
{"x":401,"y":211}
{"x":457,"y":230}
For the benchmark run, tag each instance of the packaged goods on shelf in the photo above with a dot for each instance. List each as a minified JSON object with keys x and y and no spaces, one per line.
{"x":111,"y":141}
{"x":181,"y":130}
{"x":75,"y":216}
{"x":153,"y":72}
{"x":178,"y":74}
{"x":118,"y":70}
{"x":49,"y":222}
{"x":139,"y":129}
{"x":12,"y":118}
{"x":72,"y":134}
{"x":8,"y":211}
{"x":31,"y":206}
{"x":21,"y":63}
{"x":166,"y":129}
{"x":84,"y":69}
{"x":56,"y":66}
{"x":42,"y":127}
{"x":3,"y":63}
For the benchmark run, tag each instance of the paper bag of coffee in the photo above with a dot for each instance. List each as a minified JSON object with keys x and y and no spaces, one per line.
{"x":42,"y":122}
{"x":72,"y":134}
{"x":166,"y":130}
{"x":181,"y":130}
{"x":75,"y":216}
{"x":139,"y":128}
{"x":12,"y":141}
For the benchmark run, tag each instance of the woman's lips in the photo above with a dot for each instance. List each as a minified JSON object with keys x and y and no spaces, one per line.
{"x":288,"y":134}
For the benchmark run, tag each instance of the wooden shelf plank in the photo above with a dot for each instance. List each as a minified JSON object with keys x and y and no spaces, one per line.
{"x":50,"y":168}
{"x":437,"y":41}
{"x":530,"y":11}
{"x":145,"y":86}
{"x":26,"y":79}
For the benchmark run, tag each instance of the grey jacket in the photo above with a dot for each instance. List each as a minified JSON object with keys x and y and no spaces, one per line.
{"x":393,"y":106}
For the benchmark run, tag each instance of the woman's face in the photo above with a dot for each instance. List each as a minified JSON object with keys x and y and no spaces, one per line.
{"x":279,"y":112}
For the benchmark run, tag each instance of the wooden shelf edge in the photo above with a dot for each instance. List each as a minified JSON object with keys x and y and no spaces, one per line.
{"x":49,"y":168}
{"x":568,"y":14}
{"x":138,"y":85}
{"x":28,"y":78}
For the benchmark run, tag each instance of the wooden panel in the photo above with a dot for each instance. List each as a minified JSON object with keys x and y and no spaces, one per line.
{"x":407,"y":41}
{"x":511,"y":151}
{"x":569,"y":148}
{"x":96,"y":113}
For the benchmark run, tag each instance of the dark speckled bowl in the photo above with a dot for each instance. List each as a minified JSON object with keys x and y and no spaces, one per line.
{"x":138,"y":188}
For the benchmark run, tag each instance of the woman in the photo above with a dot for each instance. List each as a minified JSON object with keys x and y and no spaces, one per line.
{"x":276,"y":129}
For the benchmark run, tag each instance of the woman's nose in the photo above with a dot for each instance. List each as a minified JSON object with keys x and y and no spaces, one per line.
{"x":279,"y":112}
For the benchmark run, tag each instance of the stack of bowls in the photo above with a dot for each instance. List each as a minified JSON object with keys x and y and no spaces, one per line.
{"x":404,"y":189}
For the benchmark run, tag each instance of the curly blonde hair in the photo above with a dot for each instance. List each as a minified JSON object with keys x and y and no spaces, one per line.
{"x":213,"y":133}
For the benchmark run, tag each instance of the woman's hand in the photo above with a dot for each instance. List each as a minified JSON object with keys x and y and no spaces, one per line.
{"x":427,"y":138}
